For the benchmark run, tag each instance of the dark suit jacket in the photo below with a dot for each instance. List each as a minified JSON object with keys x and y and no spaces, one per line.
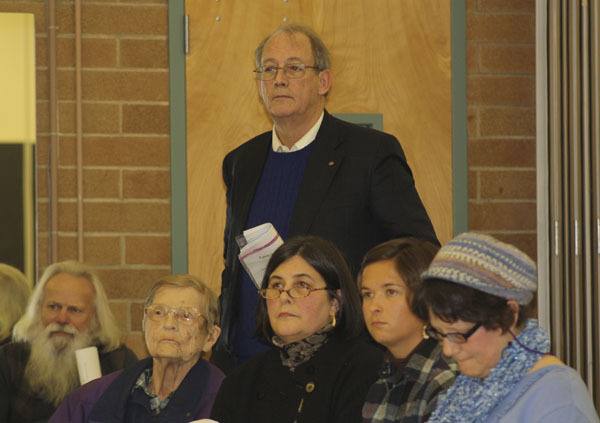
{"x":357,"y":191}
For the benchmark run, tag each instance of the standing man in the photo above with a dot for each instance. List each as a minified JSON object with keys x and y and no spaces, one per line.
{"x":312,"y":174}
{"x":68,"y":310}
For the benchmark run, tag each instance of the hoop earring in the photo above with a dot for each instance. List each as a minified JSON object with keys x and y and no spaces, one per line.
{"x":333,"y":320}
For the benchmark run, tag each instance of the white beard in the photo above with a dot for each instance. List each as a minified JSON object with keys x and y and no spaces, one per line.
{"x":51,"y":371}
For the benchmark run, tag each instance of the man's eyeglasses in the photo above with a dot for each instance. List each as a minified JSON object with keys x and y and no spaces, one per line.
{"x":454,"y":337}
{"x":159,"y":312}
{"x":299,"y":291}
{"x":290,"y":70}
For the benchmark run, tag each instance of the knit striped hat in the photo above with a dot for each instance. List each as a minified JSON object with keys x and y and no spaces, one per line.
{"x":486,"y":264}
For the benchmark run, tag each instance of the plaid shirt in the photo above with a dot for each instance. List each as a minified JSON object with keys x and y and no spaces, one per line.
{"x":409,"y":394}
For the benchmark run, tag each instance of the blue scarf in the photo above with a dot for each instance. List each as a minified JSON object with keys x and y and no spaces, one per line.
{"x":476,"y":397}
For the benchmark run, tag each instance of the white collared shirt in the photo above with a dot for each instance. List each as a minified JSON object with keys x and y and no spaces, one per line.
{"x":306,"y":139}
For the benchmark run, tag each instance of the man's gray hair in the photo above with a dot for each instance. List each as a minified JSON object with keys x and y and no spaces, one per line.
{"x":106,"y":333}
{"x":14,"y":293}
{"x":320,"y":52}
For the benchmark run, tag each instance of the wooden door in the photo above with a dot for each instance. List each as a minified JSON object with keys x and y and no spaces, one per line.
{"x":389,"y":56}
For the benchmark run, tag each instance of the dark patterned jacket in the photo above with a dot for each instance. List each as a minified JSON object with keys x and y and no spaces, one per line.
{"x":409,"y":394}
{"x":17,"y":403}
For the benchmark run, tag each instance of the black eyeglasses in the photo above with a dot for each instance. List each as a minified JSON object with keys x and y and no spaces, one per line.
{"x":290,"y":70}
{"x":454,"y":337}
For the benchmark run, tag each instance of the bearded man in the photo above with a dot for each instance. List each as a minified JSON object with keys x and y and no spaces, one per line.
{"x":68,"y":310}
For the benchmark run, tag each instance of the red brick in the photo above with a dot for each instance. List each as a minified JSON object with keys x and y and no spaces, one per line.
{"x":97,"y":183}
{"x":144,"y":53}
{"x":95,"y":52}
{"x":507,"y":59}
{"x":97,"y":118}
{"x":501,"y":90}
{"x":495,"y":121}
{"x":41,"y":85}
{"x":473,"y":58}
{"x":65,"y":81}
{"x":135,"y":342}
{"x":472,"y":122}
{"x":124,"y":151}
{"x":142,"y":119}
{"x":148,"y":250}
{"x":137,"y":314}
{"x":67,"y":216}
{"x":509,"y":184}
{"x":42,"y":118}
{"x":124,"y":19}
{"x":102,"y":250}
{"x":506,"y":28}
{"x":473,"y":178}
{"x":496,"y":216}
{"x":146,"y":184}
{"x":130,"y":283}
{"x":502,"y":152}
{"x":121,"y":312}
{"x":125,"y":85}
{"x":127,"y":217}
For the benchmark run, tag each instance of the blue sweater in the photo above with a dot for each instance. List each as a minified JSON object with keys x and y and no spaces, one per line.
{"x":273,"y":202}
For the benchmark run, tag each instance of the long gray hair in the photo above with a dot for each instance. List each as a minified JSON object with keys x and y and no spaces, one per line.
{"x":107,"y":332}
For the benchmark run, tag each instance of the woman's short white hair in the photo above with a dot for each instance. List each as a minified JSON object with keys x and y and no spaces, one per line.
{"x":104,"y":327}
{"x":15,"y":289}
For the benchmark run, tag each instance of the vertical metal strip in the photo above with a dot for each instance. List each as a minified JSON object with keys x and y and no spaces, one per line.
{"x":595,"y":168}
{"x":575,"y":184}
{"x":542,"y":161}
{"x":586,"y":194}
{"x":565,"y":292}
{"x":554,"y":99}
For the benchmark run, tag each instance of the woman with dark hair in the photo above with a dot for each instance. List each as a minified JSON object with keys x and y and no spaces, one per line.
{"x":414,"y":372}
{"x":321,"y":368}
{"x":476,"y":290}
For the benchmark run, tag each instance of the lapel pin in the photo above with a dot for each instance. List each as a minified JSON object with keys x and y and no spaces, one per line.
{"x":331,"y":163}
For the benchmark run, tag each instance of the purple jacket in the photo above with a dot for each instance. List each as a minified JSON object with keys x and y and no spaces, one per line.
{"x":108,"y":399}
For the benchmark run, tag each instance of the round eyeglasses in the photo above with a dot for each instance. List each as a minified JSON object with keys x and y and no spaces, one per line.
{"x":159,"y":312}
{"x":454,"y":337}
{"x":299,"y":291}
{"x":290,"y":70}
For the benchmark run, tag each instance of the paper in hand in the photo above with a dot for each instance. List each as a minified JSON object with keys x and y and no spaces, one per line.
{"x":256,"y":247}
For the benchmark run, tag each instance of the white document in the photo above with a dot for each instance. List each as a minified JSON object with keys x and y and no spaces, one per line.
{"x":256,"y":247}
{"x":88,"y":364}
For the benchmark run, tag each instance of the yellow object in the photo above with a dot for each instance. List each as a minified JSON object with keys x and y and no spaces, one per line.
{"x":17,"y":78}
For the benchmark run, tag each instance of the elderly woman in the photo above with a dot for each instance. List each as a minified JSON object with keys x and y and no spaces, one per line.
{"x":174,"y":384}
{"x":320,"y":368}
{"x":15,"y":290}
{"x":476,"y":290}
{"x":415,"y":371}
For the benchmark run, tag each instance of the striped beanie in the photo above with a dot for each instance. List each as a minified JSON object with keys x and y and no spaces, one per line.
{"x":486,"y":264}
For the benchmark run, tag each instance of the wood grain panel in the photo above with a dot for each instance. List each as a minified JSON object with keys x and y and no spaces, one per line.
{"x":390,"y":57}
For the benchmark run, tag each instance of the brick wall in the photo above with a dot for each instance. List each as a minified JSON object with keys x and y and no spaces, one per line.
{"x":125,"y":144}
{"x":501,"y":119}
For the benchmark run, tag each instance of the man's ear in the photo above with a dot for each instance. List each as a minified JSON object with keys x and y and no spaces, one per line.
{"x":325,"y":81}
{"x":211,"y":338}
